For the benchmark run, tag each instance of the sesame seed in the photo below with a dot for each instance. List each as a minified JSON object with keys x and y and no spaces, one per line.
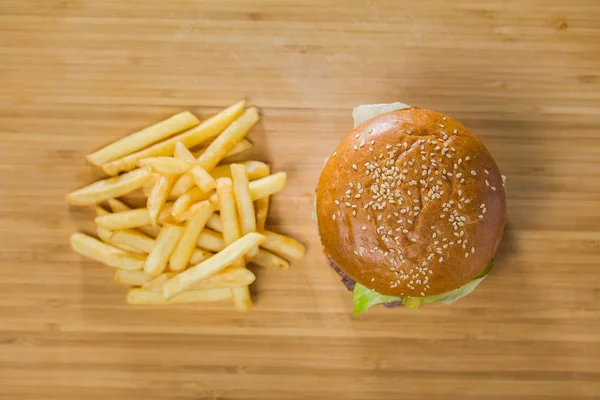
{"x":466,"y":255}
{"x":493,"y":188}
{"x":441,"y":259}
{"x":473,"y":172}
{"x":357,"y":135}
{"x":354,"y":166}
{"x":333,"y":217}
{"x":334,"y":154}
{"x":472,"y":249}
{"x":467,"y":158}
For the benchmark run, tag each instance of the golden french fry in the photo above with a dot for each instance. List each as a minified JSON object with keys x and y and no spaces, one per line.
{"x":108,"y":255}
{"x":149,"y":185}
{"x":211,"y":241}
{"x":132,"y":239}
{"x":230,"y":277}
{"x":229,"y":217}
{"x":158,"y":197}
{"x":118,"y":206}
{"x":269,"y":260}
{"x":283,"y":245}
{"x":156,"y":284}
{"x":186,"y":182}
{"x":216,"y":263}
{"x":141,"y":296}
{"x":241,"y":298}
{"x":144,"y":138}
{"x":166,"y":165}
{"x":112,"y":238}
{"x":193,"y":227}
{"x":181,"y":205}
{"x":164,"y":247}
{"x":261,"y":207}
{"x":190,"y":138}
{"x":215,"y":223}
{"x":227,"y":139}
{"x":217,"y":150}
{"x":183,"y":153}
{"x":192,"y":211}
{"x":199,"y":255}
{"x":202,"y":179}
{"x":231,"y":232}
{"x":124,"y":219}
{"x":262,"y":187}
{"x":132,"y":278}
{"x":239,"y":147}
{"x":243,"y":199}
{"x":108,"y":188}
{"x":255,"y":170}
{"x":101,"y":211}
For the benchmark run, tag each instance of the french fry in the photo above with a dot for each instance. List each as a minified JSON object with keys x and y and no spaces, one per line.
{"x":211,"y":241}
{"x":108,"y":188}
{"x":193,"y":227}
{"x":108,"y":255}
{"x":166,"y":165}
{"x":239,"y":147}
{"x":192,"y":211}
{"x":202,"y":179}
{"x":227,"y":139}
{"x":190,"y":138}
{"x":164,"y":247}
{"x":182,"y":204}
{"x":216,"y":263}
{"x":158,"y":197}
{"x":243,"y":200}
{"x":118,"y":206}
{"x":143,"y":138}
{"x":215,"y":223}
{"x":261,"y":207}
{"x":230,"y":277}
{"x":255,"y":170}
{"x":217,"y":150}
{"x":141,"y":296}
{"x":183,"y":153}
{"x":156,"y":284}
{"x":229,"y":217}
{"x":269,"y":260}
{"x":131,"y":278}
{"x":262,"y":187}
{"x":199,"y":255}
{"x":132,"y":239}
{"x":283,"y":245}
{"x":124,"y":219}
{"x":241,"y":298}
{"x":231,"y":231}
{"x":149,"y":185}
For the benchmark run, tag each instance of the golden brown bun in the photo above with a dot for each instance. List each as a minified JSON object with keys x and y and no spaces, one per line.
{"x":401,"y":231}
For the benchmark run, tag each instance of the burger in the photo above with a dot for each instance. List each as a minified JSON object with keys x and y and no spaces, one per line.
{"x":411,"y":208}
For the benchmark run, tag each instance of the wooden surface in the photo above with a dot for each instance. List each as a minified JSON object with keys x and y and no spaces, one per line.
{"x":524,"y":75}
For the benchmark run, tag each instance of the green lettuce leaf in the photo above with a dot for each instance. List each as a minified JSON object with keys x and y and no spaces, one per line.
{"x":365,"y":298}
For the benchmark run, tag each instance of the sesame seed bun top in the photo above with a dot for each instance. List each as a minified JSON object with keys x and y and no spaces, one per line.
{"x":411,"y":203}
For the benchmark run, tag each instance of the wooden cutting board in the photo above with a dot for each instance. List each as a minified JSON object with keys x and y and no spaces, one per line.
{"x":524,"y":75}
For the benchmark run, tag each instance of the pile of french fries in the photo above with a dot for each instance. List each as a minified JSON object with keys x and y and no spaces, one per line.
{"x":204,"y":220}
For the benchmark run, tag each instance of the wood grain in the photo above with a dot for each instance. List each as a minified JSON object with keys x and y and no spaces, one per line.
{"x":522,"y":74}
